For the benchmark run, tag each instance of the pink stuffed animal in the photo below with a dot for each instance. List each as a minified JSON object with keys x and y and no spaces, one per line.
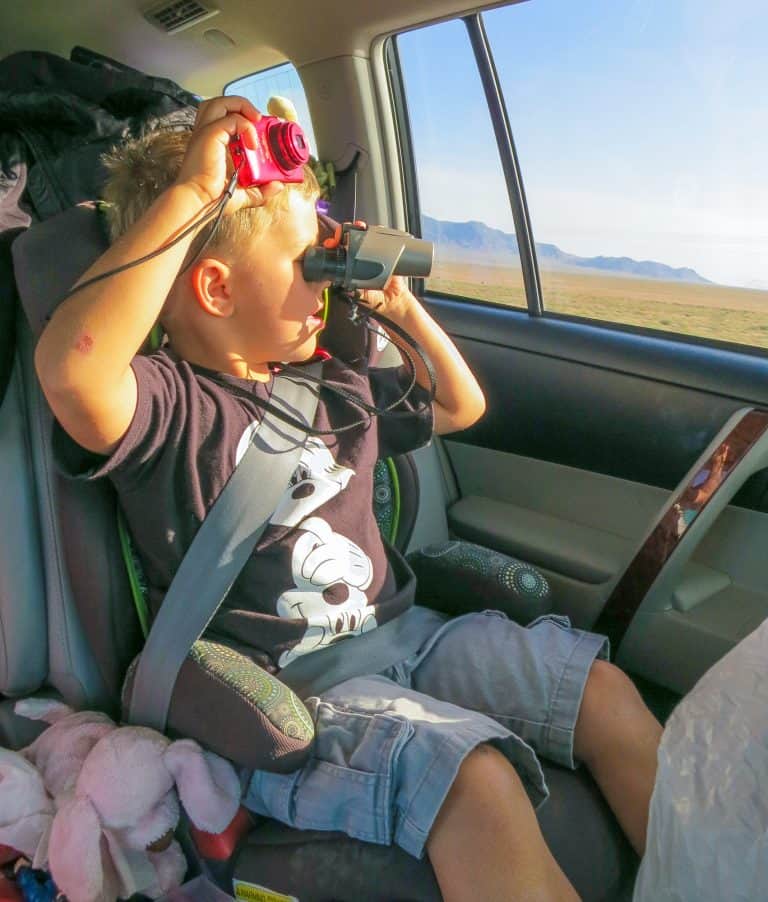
{"x":114,"y":835}
{"x":26,"y":809}
{"x":59,"y":752}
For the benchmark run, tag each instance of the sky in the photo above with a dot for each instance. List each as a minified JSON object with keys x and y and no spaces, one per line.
{"x":641,"y":127}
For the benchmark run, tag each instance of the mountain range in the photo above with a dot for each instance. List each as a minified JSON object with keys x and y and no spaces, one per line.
{"x":483,"y":244}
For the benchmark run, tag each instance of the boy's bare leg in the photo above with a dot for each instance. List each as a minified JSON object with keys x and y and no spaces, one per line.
{"x":617,"y":737}
{"x":486,"y":842}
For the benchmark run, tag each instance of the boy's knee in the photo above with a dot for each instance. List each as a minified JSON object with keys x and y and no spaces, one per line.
{"x":486,"y":793}
{"x":608,"y":685}
{"x":485,"y":767}
{"x":483,"y":758}
{"x":609,"y":699}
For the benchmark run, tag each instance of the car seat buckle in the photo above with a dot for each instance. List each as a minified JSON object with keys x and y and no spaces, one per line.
{"x":221,"y":846}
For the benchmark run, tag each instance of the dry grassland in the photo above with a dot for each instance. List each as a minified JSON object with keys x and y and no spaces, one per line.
{"x":708,"y":311}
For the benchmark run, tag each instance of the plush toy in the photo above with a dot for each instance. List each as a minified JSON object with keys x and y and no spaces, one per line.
{"x":113,"y":836}
{"x":59,"y":752}
{"x":26,"y":810}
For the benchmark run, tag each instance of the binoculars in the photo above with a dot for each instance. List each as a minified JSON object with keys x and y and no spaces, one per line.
{"x":360,"y":256}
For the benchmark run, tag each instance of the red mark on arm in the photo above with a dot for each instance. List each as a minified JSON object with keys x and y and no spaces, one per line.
{"x":84,"y":344}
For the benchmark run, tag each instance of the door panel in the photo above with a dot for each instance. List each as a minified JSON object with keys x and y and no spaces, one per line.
{"x":635,"y":406}
{"x":587,"y":432}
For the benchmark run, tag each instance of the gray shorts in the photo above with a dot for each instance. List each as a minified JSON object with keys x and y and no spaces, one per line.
{"x":388,"y":747}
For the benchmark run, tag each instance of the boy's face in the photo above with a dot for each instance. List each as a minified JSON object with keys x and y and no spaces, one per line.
{"x":278,"y":312}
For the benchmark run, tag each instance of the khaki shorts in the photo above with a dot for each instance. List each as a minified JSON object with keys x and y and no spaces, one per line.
{"x":389,"y":746}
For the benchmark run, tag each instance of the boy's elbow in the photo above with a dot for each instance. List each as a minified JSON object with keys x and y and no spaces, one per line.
{"x":63,"y":371}
{"x":475,"y":409}
{"x":76,"y":401}
{"x":467,"y":414}
{"x":479,"y":406}
{"x":53,"y":371}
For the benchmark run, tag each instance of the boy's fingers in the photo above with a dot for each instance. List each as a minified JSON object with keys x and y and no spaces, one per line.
{"x":220,"y":107}
{"x":255,"y":197}
{"x":260,"y":195}
{"x":270,"y":189}
{"x":225,"y":127}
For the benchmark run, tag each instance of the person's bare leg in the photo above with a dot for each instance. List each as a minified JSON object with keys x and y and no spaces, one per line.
{"x":617,"y":737}
{"x":486,"y":842}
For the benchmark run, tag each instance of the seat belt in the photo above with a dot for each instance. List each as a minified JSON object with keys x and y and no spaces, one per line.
{"x":222,"y":545}
{"x":364,"y":655}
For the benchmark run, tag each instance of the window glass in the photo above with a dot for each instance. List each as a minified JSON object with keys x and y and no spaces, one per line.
{"x":641,"y":130}
{"x":463,"y":198}
{"x":280,"y":81}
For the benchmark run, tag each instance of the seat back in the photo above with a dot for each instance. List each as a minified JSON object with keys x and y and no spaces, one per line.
{"x":23,"y":619}
{"x":23,"y":645}
{"x":63,"y":558}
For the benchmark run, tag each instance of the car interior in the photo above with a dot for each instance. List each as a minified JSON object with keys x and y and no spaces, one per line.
{"x":623,"y":468}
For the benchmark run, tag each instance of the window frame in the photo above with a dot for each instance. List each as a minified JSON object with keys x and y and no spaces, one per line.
{"x":401,"y":121}
{"x":505,"y":144}
{"x":510,"y":163}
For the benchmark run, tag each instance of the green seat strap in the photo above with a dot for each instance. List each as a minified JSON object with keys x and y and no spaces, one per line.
{"x":135,"y":577}
{"x":395,"y":499}
{"x":386,"y":498}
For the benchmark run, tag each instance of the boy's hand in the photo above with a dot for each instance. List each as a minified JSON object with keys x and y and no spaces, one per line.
{"x":207,"y":167}
{"x":394,"y":300}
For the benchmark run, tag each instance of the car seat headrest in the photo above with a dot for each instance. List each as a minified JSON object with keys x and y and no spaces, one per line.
{"x":50,"y":256}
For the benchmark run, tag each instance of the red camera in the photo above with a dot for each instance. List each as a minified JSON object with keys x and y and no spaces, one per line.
{"x":280,"y":154}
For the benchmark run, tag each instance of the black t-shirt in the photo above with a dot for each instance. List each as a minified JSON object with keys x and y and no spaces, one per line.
{"x":320,"y":571}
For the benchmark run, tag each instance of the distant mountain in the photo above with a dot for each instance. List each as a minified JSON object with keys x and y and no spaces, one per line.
{"x":481,"y":242}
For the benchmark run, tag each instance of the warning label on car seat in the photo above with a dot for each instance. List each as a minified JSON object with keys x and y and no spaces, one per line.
{"x":252,"y":892}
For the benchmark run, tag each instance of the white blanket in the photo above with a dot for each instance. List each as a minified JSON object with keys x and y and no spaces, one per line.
{"x":708,"y":829}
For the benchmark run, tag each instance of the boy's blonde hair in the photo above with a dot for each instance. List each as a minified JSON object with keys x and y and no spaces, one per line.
{"x":142,"y":168}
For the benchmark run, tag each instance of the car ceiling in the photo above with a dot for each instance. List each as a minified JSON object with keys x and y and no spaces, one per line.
{"x":262,"y":33}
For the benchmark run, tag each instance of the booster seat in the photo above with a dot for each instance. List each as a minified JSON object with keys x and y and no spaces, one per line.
{"x":63,"y":558}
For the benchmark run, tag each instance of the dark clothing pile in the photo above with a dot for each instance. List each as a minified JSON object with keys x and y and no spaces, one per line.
{"x":57,"y":117}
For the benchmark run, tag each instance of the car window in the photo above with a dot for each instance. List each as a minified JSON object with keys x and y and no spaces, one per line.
{"x":281,"y":81}
{"x":463,"y":198}
{"x":640,"y":131}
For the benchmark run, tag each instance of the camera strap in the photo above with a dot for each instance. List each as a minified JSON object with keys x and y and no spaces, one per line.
{"x":223,"y":543}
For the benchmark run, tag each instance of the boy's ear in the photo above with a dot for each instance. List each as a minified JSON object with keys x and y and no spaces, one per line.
{"x":212,"y":284}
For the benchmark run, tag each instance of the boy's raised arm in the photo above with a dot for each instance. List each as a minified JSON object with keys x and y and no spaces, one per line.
{"x":459,"y":400}
{"x":83,"y":356}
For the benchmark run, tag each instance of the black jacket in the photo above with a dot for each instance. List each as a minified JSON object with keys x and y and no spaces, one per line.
{"x":57,"y":117}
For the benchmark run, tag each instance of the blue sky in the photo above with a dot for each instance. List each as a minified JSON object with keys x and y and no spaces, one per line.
{"x":641,"y":127}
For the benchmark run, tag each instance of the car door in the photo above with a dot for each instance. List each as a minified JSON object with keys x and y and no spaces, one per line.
{"x":597,"y":204}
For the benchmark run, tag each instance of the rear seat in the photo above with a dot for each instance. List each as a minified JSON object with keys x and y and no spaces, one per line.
{"x":23,"y":639}
{"x":67,"y":624}
{"x":66,"y":573}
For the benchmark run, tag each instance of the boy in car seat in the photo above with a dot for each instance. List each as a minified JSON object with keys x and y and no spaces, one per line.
{"x":436,"y":753}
